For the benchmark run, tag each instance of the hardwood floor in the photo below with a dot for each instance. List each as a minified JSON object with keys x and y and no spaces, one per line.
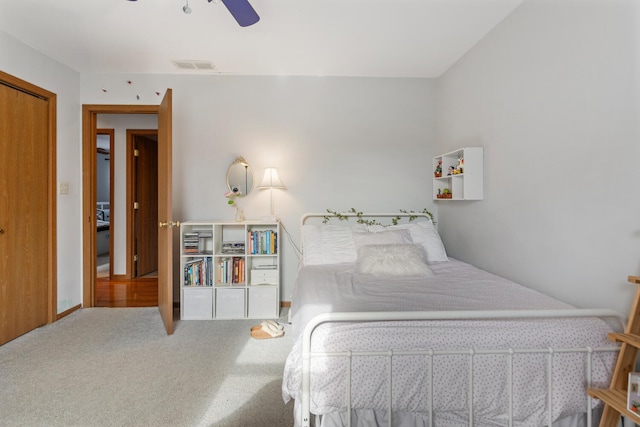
{"x":141,"y":292}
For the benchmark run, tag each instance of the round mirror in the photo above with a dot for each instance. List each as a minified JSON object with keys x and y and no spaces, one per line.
{"x":240,"y":177}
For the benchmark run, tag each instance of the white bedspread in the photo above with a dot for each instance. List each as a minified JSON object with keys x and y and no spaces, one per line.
{"x":454,"y":286}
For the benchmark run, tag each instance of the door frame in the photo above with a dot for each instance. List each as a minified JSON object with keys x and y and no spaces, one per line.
{"x":89,"y":131}
{"x":131,"y":183}
{"x":52,"y":223}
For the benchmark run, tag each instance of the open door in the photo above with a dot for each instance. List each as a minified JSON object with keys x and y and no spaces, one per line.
{"x":165,"y":214}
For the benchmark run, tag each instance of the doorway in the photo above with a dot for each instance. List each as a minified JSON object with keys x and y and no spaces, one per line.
{"x":104,"y":204}
{"x":164,"y":114}
{"x":142,"y":197}
{"x":134,"y":283}
{"x":113,"y":280}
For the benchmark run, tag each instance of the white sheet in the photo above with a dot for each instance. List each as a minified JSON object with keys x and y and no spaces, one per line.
{"x":454,"y":286}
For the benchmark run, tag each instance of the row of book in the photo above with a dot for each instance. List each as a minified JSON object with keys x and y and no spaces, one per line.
{"x":263,"y":242}
{"x":230,"y":271}
{"x":199,"y":272}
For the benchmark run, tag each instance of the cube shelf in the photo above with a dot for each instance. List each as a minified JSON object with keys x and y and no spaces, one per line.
{"x":229,"y":270}
{"x":458,"y":175}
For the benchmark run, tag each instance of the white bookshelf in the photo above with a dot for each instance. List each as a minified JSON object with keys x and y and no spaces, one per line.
{"x":229,"y":270}
{"x":465,"y":182}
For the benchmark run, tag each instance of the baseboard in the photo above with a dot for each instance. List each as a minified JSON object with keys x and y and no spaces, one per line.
{"x":68,"y":312}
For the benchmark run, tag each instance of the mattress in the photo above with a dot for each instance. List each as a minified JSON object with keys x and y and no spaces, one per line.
{"x":454,"y":285}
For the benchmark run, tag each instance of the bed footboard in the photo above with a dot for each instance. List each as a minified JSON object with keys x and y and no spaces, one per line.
{"x":549,"y":353}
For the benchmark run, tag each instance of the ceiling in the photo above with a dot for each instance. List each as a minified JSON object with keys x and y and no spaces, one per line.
{"x":378,"y":38}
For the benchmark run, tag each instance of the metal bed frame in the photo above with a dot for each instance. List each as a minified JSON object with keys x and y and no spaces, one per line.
{"x":449,"y":315}
{"x":305,"y":415}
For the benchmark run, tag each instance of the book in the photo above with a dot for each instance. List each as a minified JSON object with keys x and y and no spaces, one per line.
{"x":633,"y":394}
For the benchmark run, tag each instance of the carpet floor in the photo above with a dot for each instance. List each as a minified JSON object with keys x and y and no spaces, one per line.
{"x":118,"y":367}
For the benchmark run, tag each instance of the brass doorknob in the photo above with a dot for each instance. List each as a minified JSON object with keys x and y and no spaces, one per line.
{"x":169,"y":224}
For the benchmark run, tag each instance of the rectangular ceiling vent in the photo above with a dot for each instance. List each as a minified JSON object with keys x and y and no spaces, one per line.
{"x":194,"y":65}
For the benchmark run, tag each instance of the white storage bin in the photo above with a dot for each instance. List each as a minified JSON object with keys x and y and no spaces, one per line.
{"x":263,"y":303}
{"x":229,"y":303}
{"x":197,"y":303}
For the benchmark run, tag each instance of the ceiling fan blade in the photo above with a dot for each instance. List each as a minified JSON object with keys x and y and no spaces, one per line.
{"x":242,"y":12}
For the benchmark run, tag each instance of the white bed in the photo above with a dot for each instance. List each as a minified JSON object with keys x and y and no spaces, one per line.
{"x":420,"y":370}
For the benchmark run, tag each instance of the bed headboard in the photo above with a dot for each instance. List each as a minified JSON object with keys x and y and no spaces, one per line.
{"x":387,"y":217}
{"x":337,"y":242}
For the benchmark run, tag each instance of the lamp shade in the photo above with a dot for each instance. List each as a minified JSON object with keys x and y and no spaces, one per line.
{"x":271,"y":179}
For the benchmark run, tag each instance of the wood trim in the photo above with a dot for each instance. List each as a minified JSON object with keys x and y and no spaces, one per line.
{"x":89,"y":132}
{"x":68,"y":311}
{"x":285,"y":303}
{"x":52,"y":264}
{"x":89,"y":122}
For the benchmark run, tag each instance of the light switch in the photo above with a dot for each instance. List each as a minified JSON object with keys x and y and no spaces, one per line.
{"x":63,"y":188}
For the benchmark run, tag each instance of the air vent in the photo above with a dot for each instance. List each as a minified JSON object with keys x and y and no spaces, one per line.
{"x":194,"y":65}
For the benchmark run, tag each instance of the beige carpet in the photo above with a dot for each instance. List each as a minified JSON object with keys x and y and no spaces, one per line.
{"x":117,"y":367}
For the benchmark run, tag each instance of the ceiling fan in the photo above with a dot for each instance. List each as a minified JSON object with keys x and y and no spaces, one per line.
{"x":241,"y":10}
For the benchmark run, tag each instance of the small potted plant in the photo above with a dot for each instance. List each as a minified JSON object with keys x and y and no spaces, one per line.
{"x":445,"y":194}
{"x":231,"y":201}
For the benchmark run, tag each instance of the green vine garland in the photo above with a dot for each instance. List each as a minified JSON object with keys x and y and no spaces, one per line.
{"x":368,"y":222}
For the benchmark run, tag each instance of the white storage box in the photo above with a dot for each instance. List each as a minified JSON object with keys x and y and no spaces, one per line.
{"x":230,"y":303}
{"x":263,"y":302}
{"x":197,"y":303}
{"x":264,"y":277}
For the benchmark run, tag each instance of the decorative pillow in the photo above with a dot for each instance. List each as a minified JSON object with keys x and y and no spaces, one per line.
{"x":327,"y":244}
{"x":392,"y":260}
{"x":424,"y":234}
{"x":386,"y":237}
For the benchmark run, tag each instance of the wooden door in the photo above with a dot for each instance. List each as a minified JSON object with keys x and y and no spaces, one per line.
{"x":165,"y":213}
{"x":146,"y":199}
{"x":24,"y":223}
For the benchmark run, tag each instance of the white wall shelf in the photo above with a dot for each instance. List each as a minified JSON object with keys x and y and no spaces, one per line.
{"x":229,"y":270}
{"x":462,"y":174}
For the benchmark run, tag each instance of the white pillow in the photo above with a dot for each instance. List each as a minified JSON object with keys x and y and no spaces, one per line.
{"x":327,"y":244}
{"x":386,"y":237}
{"x":392,"y":260}
{"x":424,"y":234}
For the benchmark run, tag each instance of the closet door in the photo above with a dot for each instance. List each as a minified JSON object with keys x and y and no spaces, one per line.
{"x":24,"y":224}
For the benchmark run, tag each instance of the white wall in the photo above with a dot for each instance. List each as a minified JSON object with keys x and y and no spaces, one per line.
{"x":552,"y":94}
{"x":337,"y":142}
{"x":25,"y":63}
